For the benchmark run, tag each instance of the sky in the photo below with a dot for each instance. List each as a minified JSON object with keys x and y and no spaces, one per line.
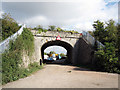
{"x":57,"y":49}
{"x":76,"y":15}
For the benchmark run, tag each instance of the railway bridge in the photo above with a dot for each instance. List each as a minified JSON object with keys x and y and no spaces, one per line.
{"x":79,"y":51}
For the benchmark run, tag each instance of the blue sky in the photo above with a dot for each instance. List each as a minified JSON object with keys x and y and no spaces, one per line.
{"x":110,"y":4}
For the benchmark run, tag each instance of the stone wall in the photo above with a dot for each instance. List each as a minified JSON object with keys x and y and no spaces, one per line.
{"x":82,"y":52}
{"x":26,"y":60}
{"x":40,"y":41}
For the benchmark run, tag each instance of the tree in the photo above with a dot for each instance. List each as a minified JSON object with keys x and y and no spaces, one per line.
{"x":45,"y":53}
{"x":59,"y":29}
{"x":52,"y":27}
{"x":99,"y":33}
{"x":118,"y":41}
{"x":52,"y":52}
{"x":111,"y":32}
{"x":39,"y":27}
{"x":62,"y":55}
{"x":107,"y":57}
{"x":9,"y":26}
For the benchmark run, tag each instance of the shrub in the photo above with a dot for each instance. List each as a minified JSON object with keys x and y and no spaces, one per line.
{"x":45,"y":30}
{"x":40,"y":30}
{"x":107,"y":60}
{"x":12,"y":58}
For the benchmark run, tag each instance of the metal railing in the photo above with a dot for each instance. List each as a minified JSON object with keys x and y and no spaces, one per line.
{"x":91,"y":39}
{"x":5,"y":44}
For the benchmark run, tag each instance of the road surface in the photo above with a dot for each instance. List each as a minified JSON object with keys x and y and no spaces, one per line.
{"x":64,"y":76}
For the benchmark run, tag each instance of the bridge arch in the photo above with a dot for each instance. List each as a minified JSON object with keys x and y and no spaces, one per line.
{"x":64,"y":44}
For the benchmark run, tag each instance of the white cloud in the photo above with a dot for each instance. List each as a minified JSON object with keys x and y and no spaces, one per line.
{"x":66,"y":14}
{"x":84,"y":26}
{"x":57,"y":49}
{"x":78,"y":16}
{"x":36,"y":20}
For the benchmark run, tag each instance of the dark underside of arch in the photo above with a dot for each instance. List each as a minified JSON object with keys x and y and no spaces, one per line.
{"x":66,"y":45}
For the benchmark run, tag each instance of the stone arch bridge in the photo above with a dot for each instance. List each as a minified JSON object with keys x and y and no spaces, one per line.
{"x":79,"y":51}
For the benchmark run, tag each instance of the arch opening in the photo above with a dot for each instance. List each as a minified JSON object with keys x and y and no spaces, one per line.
{"x":63,"y":44}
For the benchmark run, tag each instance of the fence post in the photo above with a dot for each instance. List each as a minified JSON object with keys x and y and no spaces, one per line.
{"x":40,"y":62}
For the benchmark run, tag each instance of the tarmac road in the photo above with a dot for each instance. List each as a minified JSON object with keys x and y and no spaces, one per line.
{"x":64,"y":76}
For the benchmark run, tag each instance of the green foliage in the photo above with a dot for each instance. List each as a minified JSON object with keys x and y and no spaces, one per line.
{"x":33,"y":67}
{"x":95,"y":46}
{"x":118,"y":40}
{"x":45,"y":53}
{"x":105,"y":34}
{"x":52,"y":27}
{"x":24,"y":41}
{"x":12,"y":59}
{"x":71,"y":31}
{"x":111,"y":32}
{"x":9,"y":26}
{"x":10,"y":67}
{"x":107,"y":58}
{"x":59,"y":29}
{"x":62,"y":55}
{"x":52,"y":52}
{"x":45,"y":30}
{"x":28,"y":41}
{"x":40,"y":29}
{"x":100,"y":32}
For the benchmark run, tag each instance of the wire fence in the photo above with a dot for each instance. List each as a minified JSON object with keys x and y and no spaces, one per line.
{"x":4,"y":45}
{"x":91,"y":39}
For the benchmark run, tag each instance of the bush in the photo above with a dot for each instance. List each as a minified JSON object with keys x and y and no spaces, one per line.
{"x":40,"y":30}
{"x":45,"y":30}
{"x":12,"y":58}
{"x":107,"y":60}
{"x":10,"y":68}
{"x":28,"y":41}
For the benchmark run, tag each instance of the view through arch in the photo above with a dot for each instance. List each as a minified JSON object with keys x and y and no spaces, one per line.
{"x":67,"y":48}
{"x":55,"y":54}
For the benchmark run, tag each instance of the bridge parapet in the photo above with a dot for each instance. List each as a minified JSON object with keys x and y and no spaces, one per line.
{"x":55,"y":34}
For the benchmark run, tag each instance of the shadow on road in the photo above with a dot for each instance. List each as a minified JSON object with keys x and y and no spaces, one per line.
{"x":77,"y":68}
{"x":60,"y":62}
{"x":81,"y":69}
